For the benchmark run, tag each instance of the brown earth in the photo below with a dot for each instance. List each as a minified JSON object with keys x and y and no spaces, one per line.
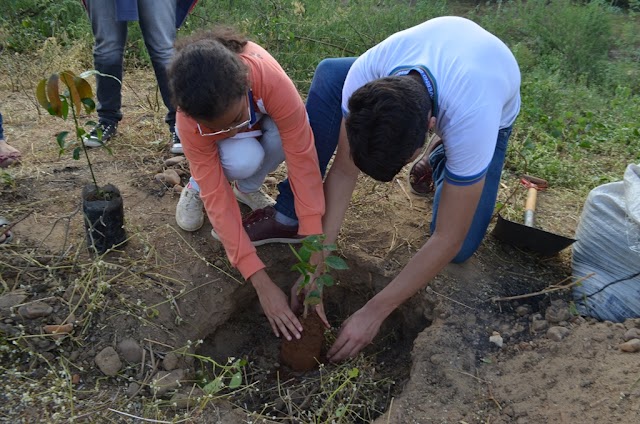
{"x":167,"y":290}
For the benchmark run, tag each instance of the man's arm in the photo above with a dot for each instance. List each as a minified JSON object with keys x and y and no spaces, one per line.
{"x":456,"y":210}
{"x":338,"y":188}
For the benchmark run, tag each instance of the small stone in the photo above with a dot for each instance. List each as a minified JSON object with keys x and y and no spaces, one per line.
{"x":108,"y":361}
{"x":74,"y":355}
{"x":182,"y":401}
{"x":271,"y":181}
{"x":58,"y":331}
{"x":631,"y":346}
{"x":169,"y":176}
{"x":557,"y":312}
{"x":9,"y":300}
{"x":165,"y":381}
{"x":35,"y":310}
{"x":176,"y":160}
{"x":523,"y":310}
{"x":75,"y":379}
{"x":557,"y":333}
{"x":130,"y":351}
{"x":496,"y":339}
{"x":539,"y":325}
{"x":632,"y":333}
{"x":170,"y":361}
{"x":133,"y":388}
{"x":178,"y":188}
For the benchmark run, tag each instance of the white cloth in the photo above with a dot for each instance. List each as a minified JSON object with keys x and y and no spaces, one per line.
{"x":477,"y":86}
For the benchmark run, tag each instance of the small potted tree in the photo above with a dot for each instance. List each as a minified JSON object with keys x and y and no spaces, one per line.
{"x":304,"y":354}
{"x":102,"y":206}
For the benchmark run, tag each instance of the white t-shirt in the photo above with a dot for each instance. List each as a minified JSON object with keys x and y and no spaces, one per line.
{"x":477,"y":86}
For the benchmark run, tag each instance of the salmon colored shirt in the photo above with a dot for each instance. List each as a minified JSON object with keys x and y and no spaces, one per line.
{"x":275,"y":95}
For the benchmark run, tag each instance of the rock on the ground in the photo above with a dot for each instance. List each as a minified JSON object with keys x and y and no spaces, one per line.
{"x":108,"y":361}
{"x":165,"y":381}
{"x":35,"y":310}
{"x":9,"y":300}
{"x":557,"y":312}
{"x":632,"y":333}
{"x":130,"y":351}
{"x":631,"y":346}
{"x":557,"y":333}
{"x":539,"y":325}
{"x":176,"y":160}
{"x":496,"y":339}
{"x":170,"y":361}
{"x":133,"y":389}
{"x":58,"y":331}
{"x":523,"y":310}
{"x":169,"y":176}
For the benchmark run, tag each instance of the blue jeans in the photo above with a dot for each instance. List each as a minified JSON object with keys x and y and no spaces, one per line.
{"x":487,"y":202}
{"x":157,"y":19}
{"x":325,"y":115}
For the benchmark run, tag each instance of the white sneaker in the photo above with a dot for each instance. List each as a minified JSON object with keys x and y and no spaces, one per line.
{"x":189,"y":212}
{"x":256,"y":200}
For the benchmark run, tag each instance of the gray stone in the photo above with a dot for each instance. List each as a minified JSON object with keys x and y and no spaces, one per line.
{"x":557,"y":312}
{"x":170,"y":361}
{"x":130,"y":351}
{"x":35,"y":310}
{"x":631,"y":346}
{"x":133,"y":389}
{"x":539,"y":325}
{"x":632,"y":333}
{"x":108,"y":361}
{"x":557,"y":333}
{"x":176,"y":160}
{"x":165,"y":381}
{"x":523,"y":310}
{"x":9,"y":300}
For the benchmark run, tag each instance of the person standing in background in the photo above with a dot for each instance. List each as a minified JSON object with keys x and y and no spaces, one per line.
{"x":158,"y":20}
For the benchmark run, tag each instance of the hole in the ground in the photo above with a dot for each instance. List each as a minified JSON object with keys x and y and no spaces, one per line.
{"x":356,"y":391}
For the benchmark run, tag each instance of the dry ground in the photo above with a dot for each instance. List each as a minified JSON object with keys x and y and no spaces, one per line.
{"x":167,"y":289}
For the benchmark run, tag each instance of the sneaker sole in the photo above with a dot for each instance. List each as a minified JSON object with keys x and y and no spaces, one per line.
{"x":283,"y":240}
{"x":190,"y":229}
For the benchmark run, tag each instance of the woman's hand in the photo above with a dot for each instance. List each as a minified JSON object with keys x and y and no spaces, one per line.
{"x":275,"y":306}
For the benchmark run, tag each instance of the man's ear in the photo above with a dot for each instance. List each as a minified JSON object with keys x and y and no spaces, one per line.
{"x":432,"y":123}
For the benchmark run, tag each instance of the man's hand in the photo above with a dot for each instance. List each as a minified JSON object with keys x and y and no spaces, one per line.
{"x":275,"y":306}
{"x":297,"y":300}
{"x":356,"y":333}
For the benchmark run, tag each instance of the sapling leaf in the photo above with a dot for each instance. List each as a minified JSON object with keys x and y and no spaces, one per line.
{"x":305,"y":253}
{"x":41,"y":94}
{"x":354,"y":372}
{"x":298,"y":267}
{"x":236,"y":380}
{"x":335,"y":262}
{"x":325,"y":280}
{"x":312,"y":300}
{"x":91,"y":123}
{"x":68,"y":78}
{"x":64,"y":111}
{"x":54,"y":97}
{"x":89,"y":105}
{"x":76,"y":153}
{"x":329,"y":247}
{"x":60,"y":138}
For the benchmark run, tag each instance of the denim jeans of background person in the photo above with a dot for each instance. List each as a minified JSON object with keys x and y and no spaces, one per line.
{"x":448,"y":75}
{"x":9,"y":155}
{"x":158,"y":20}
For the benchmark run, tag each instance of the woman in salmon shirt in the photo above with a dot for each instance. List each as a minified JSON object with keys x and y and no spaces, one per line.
{"x":239,"y":116}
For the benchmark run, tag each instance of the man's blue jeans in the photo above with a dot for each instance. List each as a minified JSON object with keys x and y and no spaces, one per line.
{"x":157,"y":19}
{"x":325,"y":115}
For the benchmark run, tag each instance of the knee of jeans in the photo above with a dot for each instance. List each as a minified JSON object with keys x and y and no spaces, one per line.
{"x":240,"y":158}
{"x":324,"y":71}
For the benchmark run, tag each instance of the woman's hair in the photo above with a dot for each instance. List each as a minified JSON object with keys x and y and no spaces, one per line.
{"x":206,"y":74}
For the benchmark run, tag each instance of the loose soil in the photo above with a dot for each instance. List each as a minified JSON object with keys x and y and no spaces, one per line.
{"x":174,"y":292}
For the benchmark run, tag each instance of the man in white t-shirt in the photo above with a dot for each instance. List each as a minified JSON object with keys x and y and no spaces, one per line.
{"x":448,"y":75}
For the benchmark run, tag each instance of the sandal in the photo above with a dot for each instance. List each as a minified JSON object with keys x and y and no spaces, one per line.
{"x":6,"y":235}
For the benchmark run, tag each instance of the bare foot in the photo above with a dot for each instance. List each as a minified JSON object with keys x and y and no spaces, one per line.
{"x":8,"y":155}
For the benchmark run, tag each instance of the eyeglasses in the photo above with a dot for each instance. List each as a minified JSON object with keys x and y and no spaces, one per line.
{"x":232,"y":128}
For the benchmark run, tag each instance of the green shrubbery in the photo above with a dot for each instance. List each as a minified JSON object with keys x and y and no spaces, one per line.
{"x":580,"y":61}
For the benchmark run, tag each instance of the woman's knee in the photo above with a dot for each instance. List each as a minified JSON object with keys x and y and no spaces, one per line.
{"x":240,"y":158}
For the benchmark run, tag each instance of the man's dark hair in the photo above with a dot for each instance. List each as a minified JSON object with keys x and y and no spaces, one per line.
{"x":386,"y":124}
{"x":206,"y":75}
